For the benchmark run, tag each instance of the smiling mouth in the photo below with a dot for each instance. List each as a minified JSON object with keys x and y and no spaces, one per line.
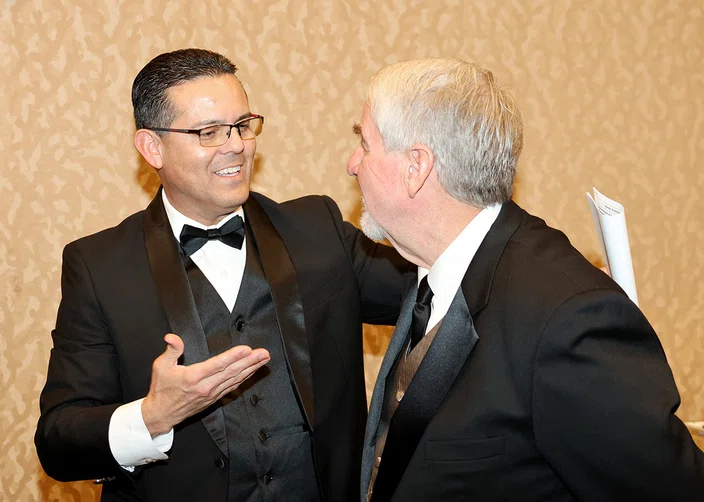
{"x":229,"y":171}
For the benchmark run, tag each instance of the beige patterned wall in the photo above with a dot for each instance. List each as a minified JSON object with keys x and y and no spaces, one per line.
{"x":612,"y":92}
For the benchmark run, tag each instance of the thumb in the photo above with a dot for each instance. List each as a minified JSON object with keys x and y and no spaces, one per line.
{"x":174,"y":348}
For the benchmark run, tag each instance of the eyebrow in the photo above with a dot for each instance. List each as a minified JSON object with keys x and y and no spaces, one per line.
{"x":357,"y":129}
{"x":209,"y":122}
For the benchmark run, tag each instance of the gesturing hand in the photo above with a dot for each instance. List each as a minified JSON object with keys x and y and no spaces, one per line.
{"x":177,"y":392}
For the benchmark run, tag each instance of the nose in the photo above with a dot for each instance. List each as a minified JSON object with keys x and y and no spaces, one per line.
{"x":353,"y":163}
{"x":234,"y":143}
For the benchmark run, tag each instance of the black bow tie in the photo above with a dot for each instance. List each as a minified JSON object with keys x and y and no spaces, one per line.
{"x":231,"y":233}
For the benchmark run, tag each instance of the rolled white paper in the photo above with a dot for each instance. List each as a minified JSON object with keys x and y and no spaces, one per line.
{"x":610,"y":222}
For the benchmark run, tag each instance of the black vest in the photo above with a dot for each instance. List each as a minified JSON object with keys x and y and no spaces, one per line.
{"x":269,"y":445}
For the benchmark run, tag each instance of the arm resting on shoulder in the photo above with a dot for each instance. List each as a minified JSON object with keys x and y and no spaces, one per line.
{"x":381,"y":272}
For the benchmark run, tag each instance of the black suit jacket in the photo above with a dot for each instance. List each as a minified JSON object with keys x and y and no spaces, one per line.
{"x":125,"y":287}
{"x":544,"y":383}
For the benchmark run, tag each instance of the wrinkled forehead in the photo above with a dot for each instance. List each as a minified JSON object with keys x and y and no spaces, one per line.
{"x":366,"y":121}
{"x":222,"y":96}
{"x":209,"y":89}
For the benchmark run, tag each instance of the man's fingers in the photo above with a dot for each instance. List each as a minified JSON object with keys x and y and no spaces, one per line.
{"x":236,"y":379}
{"x":174,"y":348}
{"x":236,"y":373}
{"x":241,"y":372}
{"x":247,"y":365}
{"x":219,"y":363}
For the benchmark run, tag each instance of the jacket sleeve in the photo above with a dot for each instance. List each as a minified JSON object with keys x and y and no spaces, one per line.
{"x":382,"y":274}
{"x":82,"y":388}
{"x":604,"y":402}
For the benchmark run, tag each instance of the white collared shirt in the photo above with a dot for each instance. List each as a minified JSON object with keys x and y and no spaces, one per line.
{"x":221,"y":264}
{"x":446,"y":274}
{"x":128,"y":436}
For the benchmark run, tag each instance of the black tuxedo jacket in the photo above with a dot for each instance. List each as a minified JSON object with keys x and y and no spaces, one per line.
{"x":544,"y":383}
{"x":124,"y":288}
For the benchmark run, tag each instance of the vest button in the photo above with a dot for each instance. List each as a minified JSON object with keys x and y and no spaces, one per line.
{"x":254,"y":399}
{"x":399,"y":395}
{"x":266,"y":479}
{"x":263,"y":437}
{"x":219,"y":463}
{"x":377,"y":462}
{"x":239,"y":324}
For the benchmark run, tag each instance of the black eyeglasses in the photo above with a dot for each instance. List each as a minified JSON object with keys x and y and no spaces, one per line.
{"x":216,"y":135}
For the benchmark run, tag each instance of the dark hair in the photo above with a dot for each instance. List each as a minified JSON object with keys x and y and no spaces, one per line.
{"x":152,"y":107}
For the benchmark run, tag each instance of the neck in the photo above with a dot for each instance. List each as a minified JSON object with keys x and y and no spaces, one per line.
{"x":193,"y":212}
{"x":435,"y":225}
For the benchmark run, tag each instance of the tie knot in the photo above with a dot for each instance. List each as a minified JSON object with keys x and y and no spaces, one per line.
{"x":425,"y":294}
{"x":421,"y":312}
{"x":233,"y":225}
{"x":231,"y":233}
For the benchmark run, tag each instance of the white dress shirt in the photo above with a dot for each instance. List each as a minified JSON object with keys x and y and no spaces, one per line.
{"x":446,"y":274}
{"x":130,"y":441}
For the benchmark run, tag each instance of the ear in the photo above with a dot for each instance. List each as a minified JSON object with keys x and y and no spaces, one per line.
{"x":422,"y":161}
{"x":148,"y":143}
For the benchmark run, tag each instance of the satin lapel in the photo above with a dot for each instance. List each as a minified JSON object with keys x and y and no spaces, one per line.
{"x":436,"y":374}
{"x":176,"y":297}
{"x":398,"y":340}
{"x":283,"y":282}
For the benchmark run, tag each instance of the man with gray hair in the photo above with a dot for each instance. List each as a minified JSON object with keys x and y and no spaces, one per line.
{"x":517,"y":370}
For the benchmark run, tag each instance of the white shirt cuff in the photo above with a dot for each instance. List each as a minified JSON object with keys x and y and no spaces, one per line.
{"x":130,"y":441}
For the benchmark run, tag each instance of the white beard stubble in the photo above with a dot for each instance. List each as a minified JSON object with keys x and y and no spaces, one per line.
{"x":369,"y":225}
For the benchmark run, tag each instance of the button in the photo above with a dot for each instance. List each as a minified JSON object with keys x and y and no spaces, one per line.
{"x":239,"y":324}
{"x":254,"y":399}
{"x":377,"y":462}
{"x":263,"y":437}
{"x":219,"y":463}
{"x":399,"y":395}
{"x":266,"y":479}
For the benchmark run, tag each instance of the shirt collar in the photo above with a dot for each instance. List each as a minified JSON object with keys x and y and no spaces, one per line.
{"x":446,"y":274}
{"x":177,"y":219}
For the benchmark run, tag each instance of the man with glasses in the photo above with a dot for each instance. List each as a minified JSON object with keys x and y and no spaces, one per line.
{"x":259,"y":394}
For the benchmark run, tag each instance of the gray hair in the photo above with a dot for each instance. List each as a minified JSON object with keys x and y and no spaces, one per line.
{"x":472,"y":125}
